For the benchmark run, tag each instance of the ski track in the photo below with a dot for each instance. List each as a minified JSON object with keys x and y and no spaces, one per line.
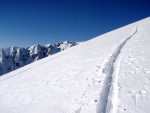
{"x":109,"y":93}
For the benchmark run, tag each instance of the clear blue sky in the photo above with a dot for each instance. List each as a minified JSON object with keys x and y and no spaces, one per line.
{"x":27,"y":22}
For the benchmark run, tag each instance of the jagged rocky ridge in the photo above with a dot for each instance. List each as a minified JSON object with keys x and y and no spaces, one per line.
{"x":15,"y":57}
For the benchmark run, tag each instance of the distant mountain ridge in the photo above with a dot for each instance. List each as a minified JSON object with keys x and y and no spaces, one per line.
{"x":15,"y":57}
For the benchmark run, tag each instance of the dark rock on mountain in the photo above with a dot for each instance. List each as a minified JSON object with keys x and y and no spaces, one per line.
{"x":14,"y":57}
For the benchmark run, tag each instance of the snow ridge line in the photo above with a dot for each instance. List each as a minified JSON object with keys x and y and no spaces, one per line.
{"x":109,"y":93}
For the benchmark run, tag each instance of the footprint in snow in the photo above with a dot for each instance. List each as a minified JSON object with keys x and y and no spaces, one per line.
{"x":78,"y":110}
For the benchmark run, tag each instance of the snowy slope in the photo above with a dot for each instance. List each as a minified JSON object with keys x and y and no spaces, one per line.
{"x":107,"y":74}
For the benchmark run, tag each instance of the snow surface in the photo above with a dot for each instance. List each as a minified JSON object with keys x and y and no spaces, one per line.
{"x":107,"y":74}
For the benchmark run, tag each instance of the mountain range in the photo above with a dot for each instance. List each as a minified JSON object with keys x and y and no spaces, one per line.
{"x":107,"y":74}
{"x":15,"y":57}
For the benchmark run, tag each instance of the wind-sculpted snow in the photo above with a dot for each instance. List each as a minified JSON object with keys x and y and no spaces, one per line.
{"x":14,"y":57}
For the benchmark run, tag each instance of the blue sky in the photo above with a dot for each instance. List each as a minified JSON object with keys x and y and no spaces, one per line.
{"x":27,"y":22}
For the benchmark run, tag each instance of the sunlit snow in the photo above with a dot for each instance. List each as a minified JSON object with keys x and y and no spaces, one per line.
{"x":107,"y":74}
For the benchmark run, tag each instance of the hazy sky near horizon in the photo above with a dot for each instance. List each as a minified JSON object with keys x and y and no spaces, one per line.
{"x":27,"y":22}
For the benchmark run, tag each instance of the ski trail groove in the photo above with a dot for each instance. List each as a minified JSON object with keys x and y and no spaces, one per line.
{"x":110,"y":88}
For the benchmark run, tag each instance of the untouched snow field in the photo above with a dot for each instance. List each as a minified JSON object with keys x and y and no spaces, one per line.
{"x":107,"y":74}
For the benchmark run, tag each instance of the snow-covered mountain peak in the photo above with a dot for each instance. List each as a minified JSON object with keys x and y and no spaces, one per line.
{"x":107,"y":74}
{"x":14,"y":57}
{"x":48,"y":45}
